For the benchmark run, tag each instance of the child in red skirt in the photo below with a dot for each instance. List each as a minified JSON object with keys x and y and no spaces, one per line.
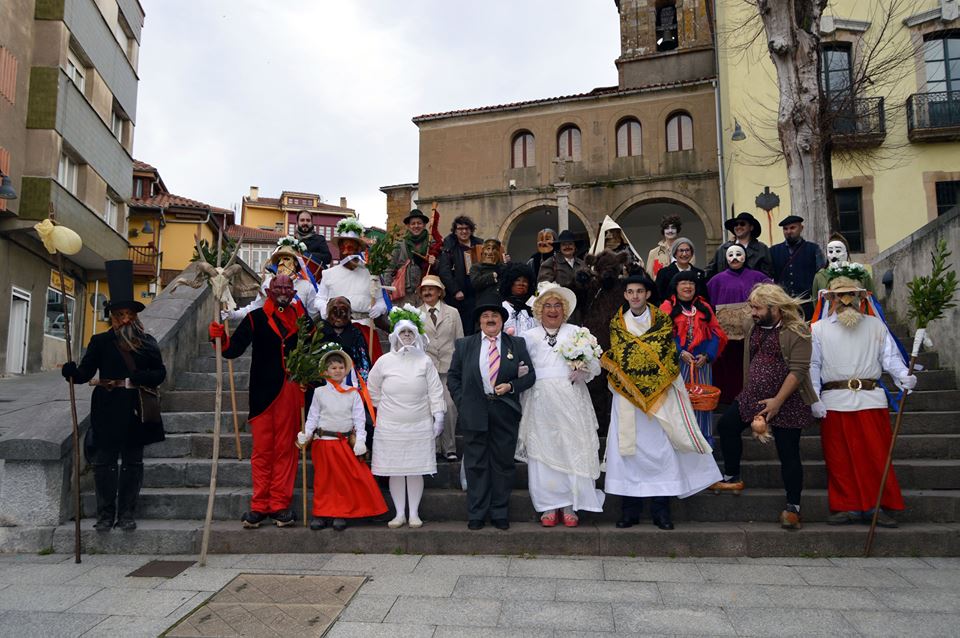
{"x":343,"y":487}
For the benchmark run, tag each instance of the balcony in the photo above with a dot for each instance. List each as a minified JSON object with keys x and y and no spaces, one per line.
{"x":145,"y":259}
{"x":934,"y":117}
{"x":856,"y":122}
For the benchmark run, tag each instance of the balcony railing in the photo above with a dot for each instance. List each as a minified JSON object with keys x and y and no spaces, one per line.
{"x":857,"y":122}
{"x":145,"y":259}
{"x":934,"y":117}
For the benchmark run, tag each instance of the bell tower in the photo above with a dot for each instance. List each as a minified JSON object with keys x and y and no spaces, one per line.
{"x":665,"y":41}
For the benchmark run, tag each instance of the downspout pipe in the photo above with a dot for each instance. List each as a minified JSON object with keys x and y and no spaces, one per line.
{"x":712,"y":17}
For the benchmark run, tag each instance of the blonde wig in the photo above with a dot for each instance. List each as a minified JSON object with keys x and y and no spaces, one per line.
{"x":773,"y":296}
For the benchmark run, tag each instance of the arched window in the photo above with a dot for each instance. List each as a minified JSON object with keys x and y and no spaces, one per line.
{"x":523,"y":153}
{"x":628,"y":138}
{"x":568,"y":143}
{"x":679,"y":132}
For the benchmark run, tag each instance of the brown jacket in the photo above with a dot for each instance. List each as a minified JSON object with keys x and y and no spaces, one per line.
{"x":796,"y":352}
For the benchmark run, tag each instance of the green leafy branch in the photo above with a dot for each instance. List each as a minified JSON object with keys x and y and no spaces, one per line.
{"x":380,"y":257}
{"x":931,"y":295}
{"x":303,"y":362}
{"x":209,"y":253}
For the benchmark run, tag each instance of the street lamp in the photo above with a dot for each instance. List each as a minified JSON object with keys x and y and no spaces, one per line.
{"x":738,"y":134}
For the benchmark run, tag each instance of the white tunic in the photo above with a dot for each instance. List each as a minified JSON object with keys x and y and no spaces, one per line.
{"x":861,"y":352}
{"x":406,"y":389}
{"x":656,"y":468}
{"x":305,"y":293}
{"x":558,"y":431}
{"x":357,"y":285}
{"x":335,"y":411}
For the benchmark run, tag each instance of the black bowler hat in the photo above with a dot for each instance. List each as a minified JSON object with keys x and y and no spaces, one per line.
{"x":416,"y":213}
{"x":791,"y":219}
{"x":730,"y":224}
{"x":489,"y":301}
{"x":565,"y":236}
{"x":120,"y":281}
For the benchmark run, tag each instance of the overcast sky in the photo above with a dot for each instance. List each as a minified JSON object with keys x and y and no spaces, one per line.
{"x":317,"y":95}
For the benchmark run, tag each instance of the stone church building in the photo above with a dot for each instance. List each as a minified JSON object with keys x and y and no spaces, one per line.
{"x":636,"y":151}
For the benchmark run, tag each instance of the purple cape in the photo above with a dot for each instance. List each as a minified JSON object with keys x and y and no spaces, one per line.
{"x":734,"y":286}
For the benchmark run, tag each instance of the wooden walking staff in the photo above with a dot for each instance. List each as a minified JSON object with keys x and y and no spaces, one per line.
{"x":61,"y":241}
{"x":233,"y":400}
{"x":303,"y":460}
{"x":929,"y":297}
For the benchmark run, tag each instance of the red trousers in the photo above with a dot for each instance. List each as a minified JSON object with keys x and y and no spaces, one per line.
{"x":274,"y":458}
{"x":343,"y":487}
{"x":855,"y":447}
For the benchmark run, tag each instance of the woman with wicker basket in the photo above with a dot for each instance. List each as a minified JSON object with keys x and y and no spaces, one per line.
{"x":700,"y":340}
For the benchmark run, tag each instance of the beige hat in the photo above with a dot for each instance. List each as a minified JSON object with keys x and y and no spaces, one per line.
{"x":432,"y":280}
{"x":322,"y":364}
{"x":844,"y":284}
{"x":548,"y":288}
{"x":283,"y":251}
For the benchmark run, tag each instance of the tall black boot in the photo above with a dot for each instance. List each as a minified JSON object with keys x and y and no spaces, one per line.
{"x":131,"y":479}
{"x":105,"y":484}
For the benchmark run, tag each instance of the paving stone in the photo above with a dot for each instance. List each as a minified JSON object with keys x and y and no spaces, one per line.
{"x":601,"y":591}
{"x":133,"y":560}
{"x":464,"y":565}
{"x":133,"y":602}
{"x":556,"y":568}
{"x":282,"y":562}
{"x":564,"y":615}
{"x":27,"y":574}
{"x":115,"y":576}
{"x":920,"y":600}
{"x":749,"y":574}
{"x":891,"y":562}
{"x":500,"y":588}
{"x":200,"y":579}
{"x":440,"y":611}
{"x":790,"y":622}
{"x":35,"y":558}
{"x":372,"y":563}
{"x":493,"y":632}
{"x":410,"y":585}
{"x":947,"y":562}
{"x":822,"y":597}
{"x":894,"y":623}
{"x":672,"y":620}
{"x":343,"y":629}
{"x":43,"y":624}
{"x":946,"y":578}
{"x":851,"y":577}
{"x":635,"y":570}
{"x":714,"y":595}
{"x":364,"y":608}
{"x":44,"y":597}
{"x":789,"y":561}
{"x":131,"y":627}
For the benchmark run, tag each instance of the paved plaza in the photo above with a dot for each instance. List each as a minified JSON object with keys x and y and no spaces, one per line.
{"x":443,"y":596}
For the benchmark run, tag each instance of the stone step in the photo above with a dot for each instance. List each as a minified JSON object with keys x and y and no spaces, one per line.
{"x":209,"y":364}
{"x":522,"y":539}
{"x":941,"y":379}
{"x":930,"y":400}
{"x":909,"y":446}
{"x":937,"y":474}
{"x":200,"y":422}
{"x":208,"y":380}
{"x":200,"y":401}
{"x":450,"y":505}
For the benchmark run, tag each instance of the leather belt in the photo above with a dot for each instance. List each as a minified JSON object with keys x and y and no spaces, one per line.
{"x":851,"y":384}
{"x":112,"y":384}
{"x":321,"y":432}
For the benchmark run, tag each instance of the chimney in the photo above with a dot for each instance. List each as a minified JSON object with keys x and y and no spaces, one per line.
{"x":254,"y":193}
{"x":343,"y":202}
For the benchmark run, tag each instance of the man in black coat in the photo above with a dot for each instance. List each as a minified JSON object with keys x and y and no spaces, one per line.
{"x":275,"y":400}
{"x":796,"y":261}
{"x":316,"y":244}
{"x":456,"y":257}
{"x":126,"y":358}
{"x":746,"y":231}
{"x":488,"y":372}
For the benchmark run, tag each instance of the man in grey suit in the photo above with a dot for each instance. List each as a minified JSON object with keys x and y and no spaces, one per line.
{"x":488,"y":372}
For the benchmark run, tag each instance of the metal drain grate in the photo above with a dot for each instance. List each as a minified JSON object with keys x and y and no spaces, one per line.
{"x":162,"y":569}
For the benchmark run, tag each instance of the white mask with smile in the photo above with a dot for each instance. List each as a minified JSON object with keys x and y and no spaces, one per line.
{"x":836,"y":252}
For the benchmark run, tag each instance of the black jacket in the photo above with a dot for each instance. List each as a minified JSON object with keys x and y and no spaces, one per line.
{"x":317,"y":247}
{"x":666,"y":274}
{"x":758,"y":258}
{"x":453,"y":274}
{"x":114,"y":414}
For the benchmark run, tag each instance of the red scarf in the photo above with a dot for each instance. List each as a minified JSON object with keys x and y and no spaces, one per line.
{"x":288,"y":317}
{"x":364,"y":394}
{"x":704,"y":327}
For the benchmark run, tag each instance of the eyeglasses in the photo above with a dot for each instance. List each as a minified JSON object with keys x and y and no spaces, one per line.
{"x":684,"y":251}
{"x":553,"y":306}
{"x":742,"y":224}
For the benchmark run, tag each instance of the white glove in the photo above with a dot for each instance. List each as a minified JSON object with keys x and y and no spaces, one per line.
{"x":819,"y":410}
{"x":360,"y":446}
{"x":576,"y":376}
{"x":907,"y":382}
{"x":225,"y":314}
{"x":437,"y":424}
{"x":303,"y":438}
{"x":375,"y":312}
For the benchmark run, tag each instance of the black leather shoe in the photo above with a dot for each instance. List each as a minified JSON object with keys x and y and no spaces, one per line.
{"x":103,"y":525}
{"x":663,"y":523}
{"x":317,"y":523}
{"x":500,"y":523}
{"x":339,"y":524}
{"x":626,"y":522}
{"x":474,"y":525}
{"x":126,"y":524}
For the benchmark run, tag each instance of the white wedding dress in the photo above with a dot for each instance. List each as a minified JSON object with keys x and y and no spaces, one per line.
{"x":558,"y":431}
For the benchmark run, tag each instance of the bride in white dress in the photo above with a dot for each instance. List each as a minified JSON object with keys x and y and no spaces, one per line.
{"x":558,"y":432}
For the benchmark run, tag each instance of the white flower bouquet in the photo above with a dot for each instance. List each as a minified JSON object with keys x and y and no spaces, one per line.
{"x":579,"y":349}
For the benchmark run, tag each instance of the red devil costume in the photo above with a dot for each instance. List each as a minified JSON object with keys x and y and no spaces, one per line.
{"x":275,"y":401}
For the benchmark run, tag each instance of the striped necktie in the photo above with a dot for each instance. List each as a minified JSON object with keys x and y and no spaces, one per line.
{"x":493,"y":361}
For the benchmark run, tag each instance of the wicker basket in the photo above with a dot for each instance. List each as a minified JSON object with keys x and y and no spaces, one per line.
{"x":703,"y":397}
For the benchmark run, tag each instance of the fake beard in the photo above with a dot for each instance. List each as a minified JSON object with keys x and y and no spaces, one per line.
{"x":848,"y":316}
{"x":130,"y":335}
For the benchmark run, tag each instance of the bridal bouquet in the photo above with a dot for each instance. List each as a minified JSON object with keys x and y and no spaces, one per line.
{"x":579,"y":349}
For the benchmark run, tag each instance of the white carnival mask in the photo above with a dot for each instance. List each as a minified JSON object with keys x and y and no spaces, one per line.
{"x":407,"y":337}
{"x":736,"y":254}
{"x":670,"y":232}
{"x":836,"y":252}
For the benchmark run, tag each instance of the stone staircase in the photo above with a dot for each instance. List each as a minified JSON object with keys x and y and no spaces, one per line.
{"x":177,"y":474}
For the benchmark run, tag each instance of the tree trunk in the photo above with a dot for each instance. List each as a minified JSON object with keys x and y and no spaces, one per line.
{"x":793,"y":36}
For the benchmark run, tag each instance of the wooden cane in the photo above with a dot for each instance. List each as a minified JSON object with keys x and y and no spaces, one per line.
{"x":303,"y":463}
{"x":233,"y":400}
{"x":73,"y":416}
{"x":886,"y":468}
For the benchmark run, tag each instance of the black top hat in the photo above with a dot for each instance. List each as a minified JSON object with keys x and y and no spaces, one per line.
{"x":416,"y":213}
{"x":791,"y":219}
{"x":730,"y":224}
{"x":489,"y":301}
{"x":565,"y":236}
{"x":120,"y":281}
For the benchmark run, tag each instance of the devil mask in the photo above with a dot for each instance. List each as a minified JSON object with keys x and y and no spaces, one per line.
{"x":281,"y":291}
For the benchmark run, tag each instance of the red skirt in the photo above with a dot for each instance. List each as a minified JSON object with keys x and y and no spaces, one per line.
{"x":855,"y":448}
{"x":343,"y":487}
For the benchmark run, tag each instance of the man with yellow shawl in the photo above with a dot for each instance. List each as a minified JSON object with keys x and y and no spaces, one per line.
{"x":654,"y":445}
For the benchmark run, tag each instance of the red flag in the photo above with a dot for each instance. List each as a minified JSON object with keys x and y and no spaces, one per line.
{"x":437,"y":244}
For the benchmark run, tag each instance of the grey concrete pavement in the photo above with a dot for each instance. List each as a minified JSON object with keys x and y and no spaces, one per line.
{"x":505,"y":596}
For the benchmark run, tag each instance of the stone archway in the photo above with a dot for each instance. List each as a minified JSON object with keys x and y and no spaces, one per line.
{"x":640,"y":217}
{"x":519,"y":230}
